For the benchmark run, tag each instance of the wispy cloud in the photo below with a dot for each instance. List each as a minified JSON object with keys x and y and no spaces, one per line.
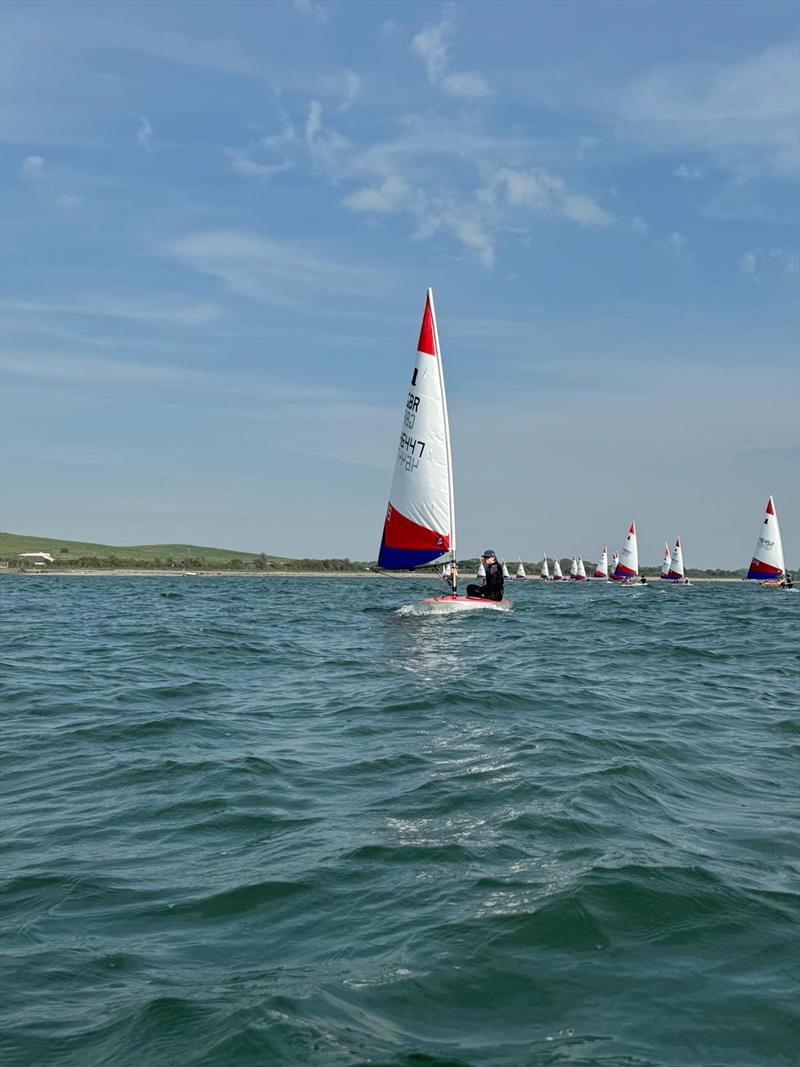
{"x":32,"y":168}
{"x":544,"y":192}
{"x":311,"y":9}
{"x":169,"y":309}
{"x":688,"y":173}
{"x":676,"y":241}
{"x":433,"y":46}
{"x":748,"y":265}
{"x":284,"y":273}
{"x":745,"y":114}
{"x":144,"y":135}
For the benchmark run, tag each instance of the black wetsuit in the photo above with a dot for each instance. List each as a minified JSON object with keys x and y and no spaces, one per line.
{"x":492,"y":588}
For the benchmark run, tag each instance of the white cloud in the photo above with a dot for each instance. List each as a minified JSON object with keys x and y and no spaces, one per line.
{"x":745,"y":114}
{"x":638,"y":225}
{"x":284,"y":273}
{"x":241,"y":163}
{"x":432,"y":45}
{"x":168,"y":309}
{"x":311,"y":10}
{"x":351,"y":89}
{"x":384,"y":199}
{"x":541,"y":191}
{"x":676,"y":241}
{"x":144,"y":135}
{"x":748,"y":264}
{"x":683,"y":170}
{"x":314,"y":120}
{"x":32,"y":168}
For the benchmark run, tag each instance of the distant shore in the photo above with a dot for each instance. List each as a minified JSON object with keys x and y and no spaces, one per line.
{"x":151,"y":573}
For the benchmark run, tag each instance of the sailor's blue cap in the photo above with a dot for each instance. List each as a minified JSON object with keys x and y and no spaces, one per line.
{"x":488,"y":552}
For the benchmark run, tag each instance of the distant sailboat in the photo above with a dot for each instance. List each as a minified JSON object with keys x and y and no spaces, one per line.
{"x":505,"y":569}
{"x":573,"y":570}
{"x":626,"y":571}
{"x":767,"y":564}
{"x":419,"y":528}
{"x":666,"y":563}
{"x":544,"y":573}
{"x":675,"y":575}
{"x":614,"y":562}
{"x":601,"y":570}
{"x":520,"y":571}
{"x":557,"y":575}
{"x":581,"y":570}
{"x":481,"y":571}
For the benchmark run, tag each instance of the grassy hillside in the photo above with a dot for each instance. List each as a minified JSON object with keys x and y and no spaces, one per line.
{"x":12,"y":544}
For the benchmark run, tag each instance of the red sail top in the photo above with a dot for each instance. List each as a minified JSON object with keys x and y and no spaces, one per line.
{"x":426,"y":339}
{"x":770,"y":507}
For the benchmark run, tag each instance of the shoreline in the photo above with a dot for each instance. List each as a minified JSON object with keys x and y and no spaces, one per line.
{"x":147,"y":573}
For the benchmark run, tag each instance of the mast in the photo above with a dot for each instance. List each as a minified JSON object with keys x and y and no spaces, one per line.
{"x":454,"y":568}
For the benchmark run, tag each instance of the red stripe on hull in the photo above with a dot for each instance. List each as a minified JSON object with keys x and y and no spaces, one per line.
{"x":400,"y":532}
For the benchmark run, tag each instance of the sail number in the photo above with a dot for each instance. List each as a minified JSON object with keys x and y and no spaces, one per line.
{"x":410,"y":451}
{"x":412,"y":407}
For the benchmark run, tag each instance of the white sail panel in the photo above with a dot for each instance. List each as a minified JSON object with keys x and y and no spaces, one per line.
{"x":557,"y":575}
{"x":601,"y":570}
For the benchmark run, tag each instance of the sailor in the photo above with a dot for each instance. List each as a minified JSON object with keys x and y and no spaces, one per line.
{"x":492,"y":588}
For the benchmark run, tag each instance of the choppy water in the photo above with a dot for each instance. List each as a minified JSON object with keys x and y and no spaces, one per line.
{"x":268,"y":822}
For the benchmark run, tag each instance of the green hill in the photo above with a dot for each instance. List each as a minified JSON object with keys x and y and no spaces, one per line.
{"x":11,"y":545}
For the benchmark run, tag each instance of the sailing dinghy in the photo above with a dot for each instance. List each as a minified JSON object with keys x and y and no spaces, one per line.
{"x":557,"y":575}
{"x":626,"y":571}
{"x":544,"y":573}
{"x":676,"y":575}
{"x":601,"y":570}
{"x":520,"y":571}
{"x":419,"y":528}
{"x":481,"y":571}
{"x":666,"y":562}
{"x":581,"y":570}
{"x":505,"y":569}
{"x":767,"y":565}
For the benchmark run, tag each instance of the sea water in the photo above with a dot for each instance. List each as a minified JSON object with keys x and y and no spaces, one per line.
{"x":265,"y":821}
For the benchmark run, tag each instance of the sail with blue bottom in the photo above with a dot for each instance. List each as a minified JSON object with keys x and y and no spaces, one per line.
{"x":419,"y":525}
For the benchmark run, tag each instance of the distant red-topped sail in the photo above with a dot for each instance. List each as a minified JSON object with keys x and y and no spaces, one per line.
{"x":767,"y":562}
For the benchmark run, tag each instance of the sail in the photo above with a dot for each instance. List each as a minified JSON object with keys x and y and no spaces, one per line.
{"x":557,"y":575}
{"x":767,"y":559}
{"x":481,"y":572}
{"x":545,"y":571}
{"x":520,"y":571}
{"x":676,"y":572}
{"x":573,"y":570}
{"x":666,"y":563}
{"x":601,"y":570}
{"x":419,"y":525}
{"x":628,"y":565}
{"x":614,"y":562}
{"x":581,"y":569}
{"x":505,"y":569}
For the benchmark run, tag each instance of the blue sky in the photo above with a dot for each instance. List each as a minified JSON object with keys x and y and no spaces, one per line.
{"x":220,"y":220}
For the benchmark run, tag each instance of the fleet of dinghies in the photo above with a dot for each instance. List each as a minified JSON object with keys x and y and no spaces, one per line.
{"x":419,"y":528}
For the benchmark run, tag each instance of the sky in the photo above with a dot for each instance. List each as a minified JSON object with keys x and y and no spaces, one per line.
{"x":220,"y":220}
